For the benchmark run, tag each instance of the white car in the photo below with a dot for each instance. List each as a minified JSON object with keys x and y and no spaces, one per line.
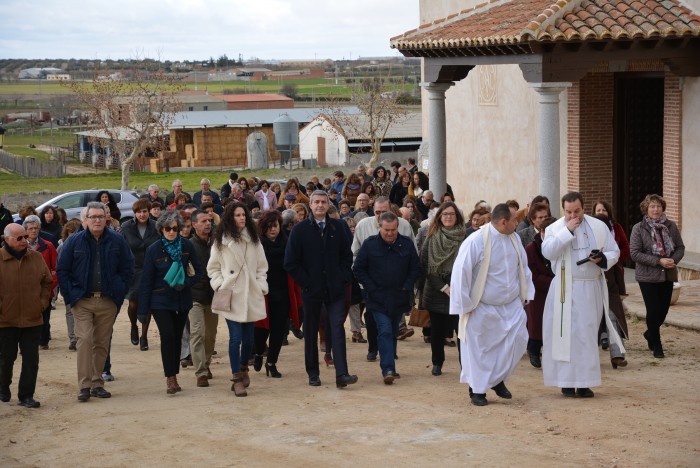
{"x":74,"y":202}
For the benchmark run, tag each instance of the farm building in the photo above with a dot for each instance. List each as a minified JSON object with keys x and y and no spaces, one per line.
{"x":255,"y":101}
{"x":223,"y":138}
{"x":330,"y":143}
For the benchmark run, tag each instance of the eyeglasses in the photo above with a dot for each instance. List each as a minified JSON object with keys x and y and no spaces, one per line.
{"x":20,"y":238}
{"x":97,"y":217}
{"x":448,"y":214}
{"x":171,"y":228}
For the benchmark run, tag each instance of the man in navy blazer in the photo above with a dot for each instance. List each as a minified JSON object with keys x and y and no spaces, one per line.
{"x":319,"y":258}
{"x":387,"y":267}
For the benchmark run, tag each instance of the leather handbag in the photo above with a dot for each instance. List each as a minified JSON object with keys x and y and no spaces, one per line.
{"x":419,"y":318}
{"x":222,"y":300}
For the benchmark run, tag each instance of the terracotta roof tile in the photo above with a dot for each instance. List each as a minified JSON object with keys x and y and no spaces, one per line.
{"x":520,"y":22}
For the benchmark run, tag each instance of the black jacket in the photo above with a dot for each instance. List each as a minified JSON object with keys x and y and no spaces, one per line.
{"x":387,"y":273}
{"x":137,"y":244}
{"x":201,"y":290}
{"x":276,"y":275}
{"x":320,"y":262}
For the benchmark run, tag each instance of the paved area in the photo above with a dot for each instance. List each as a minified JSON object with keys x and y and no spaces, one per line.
{"x":685,"y":313}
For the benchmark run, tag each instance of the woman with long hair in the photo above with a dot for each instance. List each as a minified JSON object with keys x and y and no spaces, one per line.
{"x":400,"y":189}
{"x":369,"y":189}
{"x":50,"y":223}
{"x":656,"y":248}
{"x":352,"y":188}
{"x":140,"y":233}
{"x":274,"y":242}
{"x":293,"y":188}
{"x":381,"y":182}
{"x":420,"y":184}
{"x":170,"y":269}
{"x":445,"y":235}
{"x":103,"y":196}
{"x":238,"y":265}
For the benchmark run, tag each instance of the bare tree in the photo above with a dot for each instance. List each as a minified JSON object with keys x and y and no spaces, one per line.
{"x":131,"y":116}
{"x":379,"y":111}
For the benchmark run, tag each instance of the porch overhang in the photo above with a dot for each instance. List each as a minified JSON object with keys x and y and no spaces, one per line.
{"x":555,"y":42}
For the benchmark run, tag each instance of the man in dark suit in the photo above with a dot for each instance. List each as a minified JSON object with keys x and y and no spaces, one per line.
{"x":319,"y":258}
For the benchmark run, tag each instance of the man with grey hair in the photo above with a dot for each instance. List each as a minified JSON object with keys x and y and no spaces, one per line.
{"x":152,"y":195}
{"x":94,"y":272}
{"x":319,"y":258}
{"x":25,"y":291}
{"x":364,"y":230}
{"x":177,"y":190}
{"x":387,"y":267}
{"x":289,"y":219}
{"x":205,"y":186}
{"x":424,"y":201}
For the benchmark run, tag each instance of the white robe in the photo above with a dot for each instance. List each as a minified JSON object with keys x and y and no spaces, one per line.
{"x":496,"y":335}
{"x":587,"y":299}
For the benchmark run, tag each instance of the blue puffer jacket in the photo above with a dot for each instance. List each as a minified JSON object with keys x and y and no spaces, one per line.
{"x":387,"y":273}
{"x":154,"y":292}
{"x":75,"y":261}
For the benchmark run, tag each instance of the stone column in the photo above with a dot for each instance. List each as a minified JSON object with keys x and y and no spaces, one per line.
{"x":437,"y":137}
{"x":549,"y":141}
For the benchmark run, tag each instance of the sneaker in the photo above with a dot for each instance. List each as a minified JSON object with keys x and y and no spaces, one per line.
{"x":107,"y":377}
{"x":405,"y":333}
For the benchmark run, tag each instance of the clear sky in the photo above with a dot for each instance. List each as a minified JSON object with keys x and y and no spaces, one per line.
{"x":199,"y":29}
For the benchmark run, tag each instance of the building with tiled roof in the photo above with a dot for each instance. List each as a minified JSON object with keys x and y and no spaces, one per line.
{"x":522,"y":97}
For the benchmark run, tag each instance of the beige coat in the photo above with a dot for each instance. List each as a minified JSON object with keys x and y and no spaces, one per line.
{"x":241,"y":267}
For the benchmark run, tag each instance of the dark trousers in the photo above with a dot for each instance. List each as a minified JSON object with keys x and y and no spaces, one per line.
{"x":277,"y":318}
{"x":170,"y":324}
{"x":371,"y":328}
{"x":441,"y":327}
{"x":657,"y":300}
{"x":534,"y":346}
{"x":28,"y":341}
{"x":387,"y":331}
{"x":336,"y":317}
{"x":46,"y":327}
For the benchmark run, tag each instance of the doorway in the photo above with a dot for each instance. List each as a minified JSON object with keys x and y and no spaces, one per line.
{"x":638,"y":143}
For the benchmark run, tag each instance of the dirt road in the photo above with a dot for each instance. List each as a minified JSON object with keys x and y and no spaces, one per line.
{"x":644,"y":415}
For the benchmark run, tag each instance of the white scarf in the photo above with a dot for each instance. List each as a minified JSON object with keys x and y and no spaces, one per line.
{"x":480,"y":283}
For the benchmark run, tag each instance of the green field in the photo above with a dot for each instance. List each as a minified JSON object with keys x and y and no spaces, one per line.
{"x":12,"y":183}
{"x":317,"y":86}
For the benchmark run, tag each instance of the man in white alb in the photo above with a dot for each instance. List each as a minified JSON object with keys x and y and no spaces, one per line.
{"x":581,"y":249}
{"x":490,"y":283}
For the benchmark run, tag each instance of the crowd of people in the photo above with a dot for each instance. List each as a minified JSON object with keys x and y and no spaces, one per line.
{"x":274,"y":260}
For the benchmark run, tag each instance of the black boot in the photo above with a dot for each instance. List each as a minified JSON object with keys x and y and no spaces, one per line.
{"x":257,"y":362}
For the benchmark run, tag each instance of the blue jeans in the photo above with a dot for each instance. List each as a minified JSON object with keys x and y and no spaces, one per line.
{"x":387,"y":331}
{"x":240,"y":343}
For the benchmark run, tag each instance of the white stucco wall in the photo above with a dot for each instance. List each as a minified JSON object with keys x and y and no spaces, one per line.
{"x":690,"y":229}
{"x":336,"y":146}
{"x":492,"y":149}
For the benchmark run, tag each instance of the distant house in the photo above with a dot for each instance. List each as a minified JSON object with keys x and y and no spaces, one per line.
{"x":330,"y":145}
{"x":38,"y":73}
{"x":255,"y":101}
{"x":58,"y":77}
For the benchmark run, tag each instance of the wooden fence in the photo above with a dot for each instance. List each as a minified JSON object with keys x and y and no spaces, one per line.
{"x":29,"y":167}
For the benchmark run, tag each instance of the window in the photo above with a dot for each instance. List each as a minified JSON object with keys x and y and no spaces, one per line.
{"x":70,"y":201}
{"x":190,"y":108}
{"x":206,"y":108}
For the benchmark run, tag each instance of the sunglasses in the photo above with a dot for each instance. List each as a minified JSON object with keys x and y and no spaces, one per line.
{"x":20,"y":238}
{"x":171,"y":228}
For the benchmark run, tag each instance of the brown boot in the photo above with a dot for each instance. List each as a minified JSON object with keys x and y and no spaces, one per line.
{"x":177,"y":385}
{"x":238,"y":388}
{"x":202,"y":381}
{"x":171,"y":390}
{"x":246,"y":377}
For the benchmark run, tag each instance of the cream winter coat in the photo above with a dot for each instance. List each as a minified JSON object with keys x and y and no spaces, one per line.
{"x":241,"y":267}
